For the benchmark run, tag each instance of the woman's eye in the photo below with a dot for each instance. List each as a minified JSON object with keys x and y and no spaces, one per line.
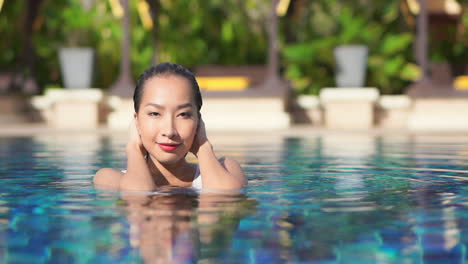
{"x":153,"y":114}
{"x":185,"y":114}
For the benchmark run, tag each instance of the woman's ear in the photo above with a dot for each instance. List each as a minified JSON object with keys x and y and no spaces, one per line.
{"x":135,"y":121}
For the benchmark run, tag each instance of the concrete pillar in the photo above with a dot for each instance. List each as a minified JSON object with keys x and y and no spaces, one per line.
{"x":393,"y":111}
{"x":349,"y":108}
{"x":121,"y":112}
{"x":70,"y":109}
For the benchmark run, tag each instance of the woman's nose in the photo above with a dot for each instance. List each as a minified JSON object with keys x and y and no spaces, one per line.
{"x":168,"y":129}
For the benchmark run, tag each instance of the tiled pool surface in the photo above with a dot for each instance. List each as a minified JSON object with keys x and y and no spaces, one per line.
{"x":346,"y":198}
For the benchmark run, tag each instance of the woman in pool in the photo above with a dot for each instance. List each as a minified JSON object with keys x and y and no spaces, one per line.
{"x":167,"y":125}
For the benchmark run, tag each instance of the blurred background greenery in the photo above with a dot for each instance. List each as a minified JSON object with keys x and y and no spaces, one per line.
{"x":308,"y":56}
{"x":223,"y":32}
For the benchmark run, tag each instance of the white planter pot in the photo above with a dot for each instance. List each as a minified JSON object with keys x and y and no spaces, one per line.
{"x":76,"y":65}
{"x":351,"y":63}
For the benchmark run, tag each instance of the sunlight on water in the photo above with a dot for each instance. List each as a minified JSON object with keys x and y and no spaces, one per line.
{"x":320,"y":199}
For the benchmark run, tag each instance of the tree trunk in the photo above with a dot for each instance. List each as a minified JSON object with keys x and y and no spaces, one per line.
{"x":272,"y":67}
{"x":154,"y":10}
{"x":124,"y":85}
{"x":422,"y":40}
{"x":24,"y":80}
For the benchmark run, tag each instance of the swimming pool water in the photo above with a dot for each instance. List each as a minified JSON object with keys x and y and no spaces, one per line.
{"x":318,"y":199}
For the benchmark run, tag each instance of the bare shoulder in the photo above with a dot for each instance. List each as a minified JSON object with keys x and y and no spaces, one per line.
{"x":108,"y":178}
{"x":233,"y":167}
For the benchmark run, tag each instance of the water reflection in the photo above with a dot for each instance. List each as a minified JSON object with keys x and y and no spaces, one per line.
{"x":437,"y":225}
{"x":373,"y":199}
{"x":323,"y":198}
{"x":180,"y":226}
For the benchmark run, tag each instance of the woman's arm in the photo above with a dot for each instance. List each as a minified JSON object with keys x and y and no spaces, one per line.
{"x":108,"y":178}
{"x":223,"y":174}
{"x":137,"y":177}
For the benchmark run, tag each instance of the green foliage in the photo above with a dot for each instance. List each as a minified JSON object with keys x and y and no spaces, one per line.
{"x":309,"y":62}
{"x":350,"y":28}
{"x":309,"y":65}
{"x":388,"y":65}
{"x":452,"y":46}
{"x":228,"y":32}
{"x":188,"y":32}
{"x":71,"y":22}
{"x":10,"y":45}
{"x":66,"y":23}
{"x":211,"y":32}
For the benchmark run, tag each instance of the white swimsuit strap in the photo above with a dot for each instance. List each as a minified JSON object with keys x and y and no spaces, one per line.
{"x":197,"y":173}
{"x":197,"y":183}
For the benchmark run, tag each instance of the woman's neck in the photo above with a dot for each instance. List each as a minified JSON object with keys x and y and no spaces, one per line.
{"x":178,"y":174}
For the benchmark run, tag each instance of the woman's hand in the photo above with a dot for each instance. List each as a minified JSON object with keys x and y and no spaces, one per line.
{"x":135,"y":139}
{"x":200,"y":138}
{"x":138,"y":175}
{"x":217,"y":174}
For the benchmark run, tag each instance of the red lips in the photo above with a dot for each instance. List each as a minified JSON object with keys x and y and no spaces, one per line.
{"x":168,"y":147}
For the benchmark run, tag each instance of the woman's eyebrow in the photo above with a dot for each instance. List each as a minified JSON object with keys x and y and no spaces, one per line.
{"x":154,"y":105}
{"x":184,"y":105}
{"x":162,"y":107}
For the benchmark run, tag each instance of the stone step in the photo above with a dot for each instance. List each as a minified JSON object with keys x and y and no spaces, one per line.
{"x":439,"y":115}
{"x":15,"y":109}
{"x":440,"y":105}
{"x":243,"y":104}
{"x":245,"y":113}
{"x":6,"y":119}
{"x":220,"y":113}
{"x":257,"y":120}
{"x":13,"y":104}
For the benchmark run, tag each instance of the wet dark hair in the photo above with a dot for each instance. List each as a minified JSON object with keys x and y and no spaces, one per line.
{"x":166,"y":69}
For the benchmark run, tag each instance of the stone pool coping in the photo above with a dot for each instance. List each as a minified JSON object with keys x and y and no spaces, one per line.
{"x":31,"y":129}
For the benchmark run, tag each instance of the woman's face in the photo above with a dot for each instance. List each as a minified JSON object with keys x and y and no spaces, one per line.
{"x":167,"y":118}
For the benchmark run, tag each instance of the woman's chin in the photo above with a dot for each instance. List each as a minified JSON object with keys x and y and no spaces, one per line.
{"x":168,"y":158}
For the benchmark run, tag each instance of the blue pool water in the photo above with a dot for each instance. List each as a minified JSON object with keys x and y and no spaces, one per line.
{"x":318,"y":199}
